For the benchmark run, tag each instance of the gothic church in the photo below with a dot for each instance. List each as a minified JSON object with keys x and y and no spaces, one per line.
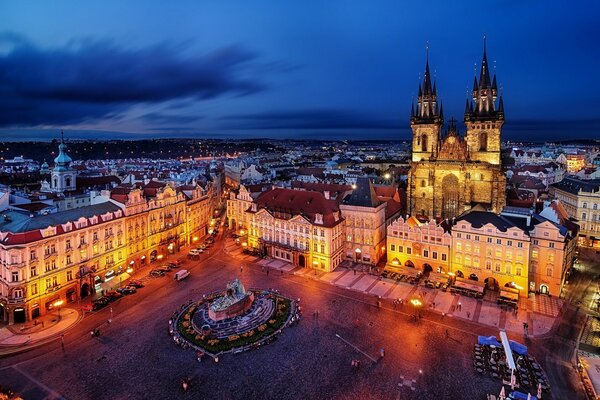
{"x":450,"y":173}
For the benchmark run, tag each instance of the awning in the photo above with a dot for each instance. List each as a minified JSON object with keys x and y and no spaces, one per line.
{"x":114,"y":282}
{"x":488,"y":341}
{"x":591,"y":366}
{"x":509,"y":295}
{"x":518,"y":348}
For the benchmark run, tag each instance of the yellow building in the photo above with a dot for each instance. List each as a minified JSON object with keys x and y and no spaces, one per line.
{"x":581,"y":200}
{"x":490,"y":248}
{"x":300,"y":227}
{"x":68,"y":255}
{"x":450,"y":173}
{"x":415,"y":244}
{"x":575,"y":163}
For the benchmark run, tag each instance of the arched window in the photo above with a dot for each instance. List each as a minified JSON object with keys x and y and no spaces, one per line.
{"x":424,"y":143}
{"x":423,"y":183}
{"x":483,"y":141}
{"x":68,"y":182}
{"x":55,"y":182}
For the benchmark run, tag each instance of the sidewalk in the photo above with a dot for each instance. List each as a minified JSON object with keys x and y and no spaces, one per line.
{"x":540,"y":312}
{"x":49,"y":326}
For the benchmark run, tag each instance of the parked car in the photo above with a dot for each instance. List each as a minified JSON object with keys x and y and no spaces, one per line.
{"x":173,"y":265}
{"x":127,"y":290}
{"x":156,"y":273}
{"x":193,"y":253}
{"x":164,"y":268}
{"x":113,"y":295}
{"x":136,"y":283}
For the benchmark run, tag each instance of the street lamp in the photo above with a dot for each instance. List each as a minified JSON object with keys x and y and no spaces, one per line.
{"x":57,"y":304}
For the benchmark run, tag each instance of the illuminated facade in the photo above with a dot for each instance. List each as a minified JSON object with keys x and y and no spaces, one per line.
{"x":490,"y":248}
{"x":365,"y":224}
{"x":300,"y":227}
{"x":450,"y":173}
{"x":415,"y":244}
{"x":57,"y":258}
{"x":581,"y":200}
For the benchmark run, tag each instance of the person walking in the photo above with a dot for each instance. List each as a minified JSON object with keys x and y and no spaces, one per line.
{"x":447,"y":334}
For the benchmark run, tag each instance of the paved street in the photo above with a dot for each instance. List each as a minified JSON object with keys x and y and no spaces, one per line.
{"x":135,"y":357}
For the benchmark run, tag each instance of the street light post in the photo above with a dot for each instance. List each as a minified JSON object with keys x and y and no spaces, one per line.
{"x":57,"y":304}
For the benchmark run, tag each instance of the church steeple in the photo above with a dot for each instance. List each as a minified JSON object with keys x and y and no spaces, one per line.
{"x":63,"y":177}
{"x":484,"y":91}
{"x":427,"y":109}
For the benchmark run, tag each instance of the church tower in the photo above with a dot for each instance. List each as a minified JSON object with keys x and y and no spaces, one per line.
{"x":426,"y":119}
{"x":63,"y":176}
{"x":483,"y":118}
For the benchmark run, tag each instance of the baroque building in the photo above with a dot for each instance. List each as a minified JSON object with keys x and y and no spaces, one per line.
{"x":450,"y":173}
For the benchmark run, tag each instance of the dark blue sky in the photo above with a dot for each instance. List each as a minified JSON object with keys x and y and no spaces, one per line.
{"x":310,"y":69}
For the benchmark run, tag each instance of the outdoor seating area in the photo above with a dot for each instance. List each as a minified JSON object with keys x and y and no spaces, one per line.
{"x":468,"y":288}
{"x":489,"y":358}
{"x":509,"y":297}
{"x":411,"y":276}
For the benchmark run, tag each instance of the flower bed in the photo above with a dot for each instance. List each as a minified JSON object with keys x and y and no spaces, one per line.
{"x":282,"y":313}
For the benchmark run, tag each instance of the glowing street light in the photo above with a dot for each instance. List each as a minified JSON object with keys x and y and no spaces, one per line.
{"x":57,"y":304}
{"x":387,"y":176}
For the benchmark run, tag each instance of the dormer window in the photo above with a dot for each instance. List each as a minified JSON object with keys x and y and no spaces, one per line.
{"x":318,"y":218}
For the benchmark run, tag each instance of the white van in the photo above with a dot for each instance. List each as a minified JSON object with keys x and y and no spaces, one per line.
{"x":182,"y":274}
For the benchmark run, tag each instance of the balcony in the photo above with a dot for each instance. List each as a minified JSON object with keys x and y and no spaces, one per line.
{"x":51,"y":254}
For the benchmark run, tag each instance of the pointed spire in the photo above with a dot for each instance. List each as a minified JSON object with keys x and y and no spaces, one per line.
{"x":441,"y":110}
{"x":467,"y":106}
{"x":484,"y":76}
{"x":501,"y":106}
{"x":434,"y":88}
{"x":62,"y":136}
{"x":420,"y":92}
{"x":427,"y":77}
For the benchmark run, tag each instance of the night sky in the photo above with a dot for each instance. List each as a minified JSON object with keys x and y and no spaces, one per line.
{"x":309,"y":69}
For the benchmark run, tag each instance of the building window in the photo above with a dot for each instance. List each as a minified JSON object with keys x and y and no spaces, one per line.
{"x":435,"y":255}
{"x":15,"y":276}
{"x":315,"y":247}
{"x":508,"y":268}
{"x":408,"y":250}
{"x":584,"y":205}
{"x":443,"y":256}
{"x":477,"y":238}
{"x":498,"y":267}
{"x":32,"y":255}
{"x":519,"y":271}
{"x":534,"y":254}
{"x":509,"y":242}
{"x":458,"y":235}
{"x":34,"y":289}
{"x":48,"y":283}
{"x":69,"y":259}
{"x":392,"y":247}
{"x":549,"y":271}
{"x":535,"y":241}
{"x":322,"y":248}
{"x":69,"y":276}
{"x":489,"y":240}
{"x":520,"y":245}
{"x":33,"y":271}
{"x":488,"y":265}
{"x":425,"y":253}
{"x":468,"y":237}
{"x":498,"y":241}
{"x":583,"y":215}
{"x":400,"y":249}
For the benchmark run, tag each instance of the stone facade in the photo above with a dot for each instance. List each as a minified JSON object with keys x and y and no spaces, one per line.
{"x":450,"y":173}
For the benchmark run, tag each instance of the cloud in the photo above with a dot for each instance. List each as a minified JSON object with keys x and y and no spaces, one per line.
{"x":93,"y":79}
{"x":311,"y":119}
{"x":160,"y":118}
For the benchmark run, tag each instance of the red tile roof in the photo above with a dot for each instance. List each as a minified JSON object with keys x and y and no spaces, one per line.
{"x":287,"y":203}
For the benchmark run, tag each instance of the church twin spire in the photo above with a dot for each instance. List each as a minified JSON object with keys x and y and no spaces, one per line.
{"x":481,"y":105}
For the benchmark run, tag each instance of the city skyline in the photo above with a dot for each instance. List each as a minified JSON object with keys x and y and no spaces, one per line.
{"x":341,"y":72}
